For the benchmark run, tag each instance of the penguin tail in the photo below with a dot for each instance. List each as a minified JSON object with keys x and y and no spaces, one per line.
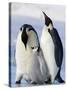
{"x":58,"y":78}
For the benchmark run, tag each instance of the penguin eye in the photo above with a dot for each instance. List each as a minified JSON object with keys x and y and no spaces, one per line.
{"x":32,"y":47}
{"x":21,"y":29}
{"x":30,"y":29}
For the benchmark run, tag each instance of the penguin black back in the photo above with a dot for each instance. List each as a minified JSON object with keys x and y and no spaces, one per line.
{"x":58,"y":46}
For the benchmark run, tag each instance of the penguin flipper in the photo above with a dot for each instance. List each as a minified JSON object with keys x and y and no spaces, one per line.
{"x":58,"y":56}
{"x":58,"y":47}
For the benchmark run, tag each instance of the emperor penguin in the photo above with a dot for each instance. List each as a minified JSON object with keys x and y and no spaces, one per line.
{"x":30,"y":63}
{"x":52,"y":49}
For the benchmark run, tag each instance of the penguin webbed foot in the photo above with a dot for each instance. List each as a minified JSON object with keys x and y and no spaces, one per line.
{"x":48,"y":81}
{"x":58,"y":78}
{"x":18,"y":82}
{"x":33,"y":82}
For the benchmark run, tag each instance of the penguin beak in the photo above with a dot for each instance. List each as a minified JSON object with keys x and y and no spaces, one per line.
{"x":47,"y":20}
{"x":35,"y":48}
{"x":44,"y":13}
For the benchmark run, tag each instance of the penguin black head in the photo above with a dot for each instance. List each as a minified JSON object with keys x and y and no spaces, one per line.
{"x":48,"y":23}
{"x":27,"y":30}
{"x":47,"y":20}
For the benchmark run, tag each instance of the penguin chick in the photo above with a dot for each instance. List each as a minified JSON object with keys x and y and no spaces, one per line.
{"x":40,"y":73}
{"x":27,"y":60}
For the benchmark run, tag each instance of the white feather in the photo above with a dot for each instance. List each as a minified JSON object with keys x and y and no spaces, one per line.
{"x":29,"y":63}
{"x":48,"y":51}
{"x":39,"y":72}
{"x":23,"y":57}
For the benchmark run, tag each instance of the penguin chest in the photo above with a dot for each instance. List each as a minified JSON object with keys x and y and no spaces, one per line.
{"x":24,"y":57}
{"x":47,"y":46}
{"x":46,"y":41}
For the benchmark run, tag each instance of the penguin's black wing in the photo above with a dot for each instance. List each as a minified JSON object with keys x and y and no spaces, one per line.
{"x":58,"y":47}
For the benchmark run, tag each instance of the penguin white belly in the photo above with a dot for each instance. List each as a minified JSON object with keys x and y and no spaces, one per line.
{"x":48,"y":51}
{"x":39,"y":72}
{"x":43,"y":66}
{"x":29,"y":64}
{"x":23,"y":57}
{"x":35,"y":72}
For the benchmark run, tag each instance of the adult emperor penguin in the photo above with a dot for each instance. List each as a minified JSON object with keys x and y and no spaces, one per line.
{"x":30,"y":63}
{"x":52,"y":49}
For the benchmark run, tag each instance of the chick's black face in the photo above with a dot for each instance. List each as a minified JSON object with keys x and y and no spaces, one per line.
{"x":24,"y":37}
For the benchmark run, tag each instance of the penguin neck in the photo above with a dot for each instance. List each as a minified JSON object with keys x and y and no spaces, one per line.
{"x":50,"y":26}
{"x":45,"y":28}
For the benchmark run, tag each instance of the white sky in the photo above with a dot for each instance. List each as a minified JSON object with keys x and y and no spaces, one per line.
{"x":55,"y":12}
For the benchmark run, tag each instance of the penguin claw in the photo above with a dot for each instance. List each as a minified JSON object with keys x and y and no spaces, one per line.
{"x":18,"y":82}
{"x":33,"y":83}
{"x":60,"y":80}
{"x":48,"y":81}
